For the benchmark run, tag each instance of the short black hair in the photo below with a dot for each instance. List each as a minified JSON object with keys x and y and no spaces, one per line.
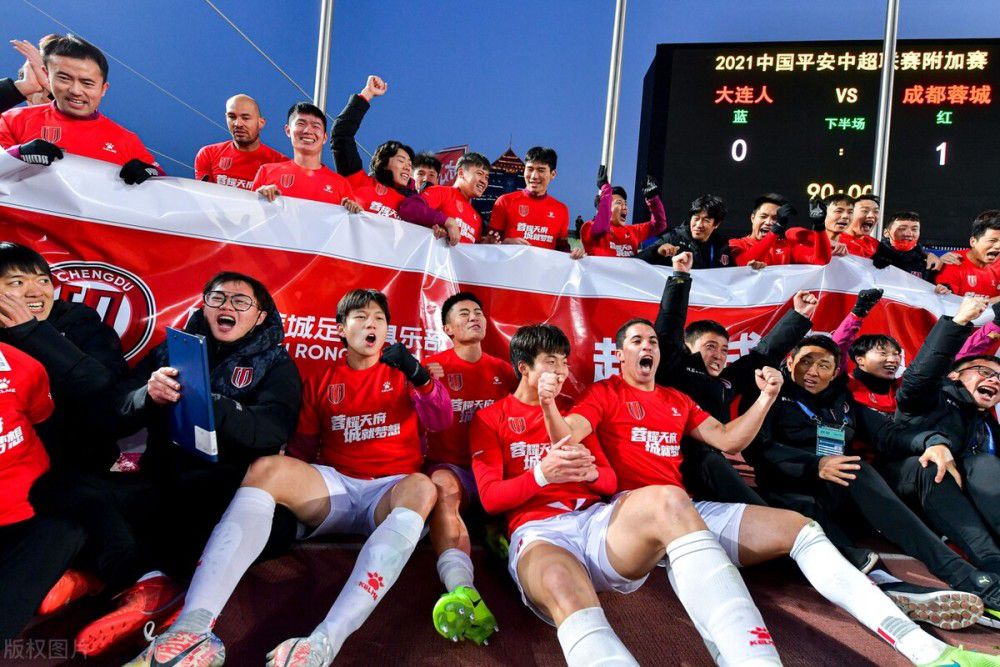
{"x":542,"y":155}
{"x":471,"y":160}
{"x":265,"y":302}
{"x":306,"y":109}
{"x":699,"y":328}
{"x":713,"y":205}
{"x":768,"y":198}
{"x":360,"y":298}
{"x":426,"y":159}
{"x":380,"y":160}
{"x":864,"y":344}
{"x":530,"y":341}
{"x":869,"y":197}
{"x":623,"y":329}
{"x":985,"y":221}
{"x":15,"y":257}
{"x":818,"y":340}
{"x":838,"y":198}
{"x":71,"y":46}
{"x":454,"y":299}
{"x":903,"y":215}
{"x":959,"y":363}
{"x":615,"y":190}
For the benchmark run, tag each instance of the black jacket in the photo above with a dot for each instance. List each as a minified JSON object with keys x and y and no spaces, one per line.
{"x":709,"y":254}
{"x":10,"y":96}
{"x":934,"y":409}
{"x":912,"y":261}
{"x":258,"y":424}
{"x":345,"y":149}
{"x":83,"y":358}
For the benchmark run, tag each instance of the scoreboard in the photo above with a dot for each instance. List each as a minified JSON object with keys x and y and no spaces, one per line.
{"x":800,"y":119}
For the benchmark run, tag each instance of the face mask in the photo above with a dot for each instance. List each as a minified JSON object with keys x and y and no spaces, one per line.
{"x":904,"y":246}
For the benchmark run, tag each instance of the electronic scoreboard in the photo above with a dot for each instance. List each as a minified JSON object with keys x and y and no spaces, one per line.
{"x":800,"y":119}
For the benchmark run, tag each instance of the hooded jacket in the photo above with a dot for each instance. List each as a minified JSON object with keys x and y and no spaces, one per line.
{"x":710,"y":254}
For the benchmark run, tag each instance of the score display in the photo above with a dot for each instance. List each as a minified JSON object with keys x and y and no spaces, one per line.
{"x":800,"y":119}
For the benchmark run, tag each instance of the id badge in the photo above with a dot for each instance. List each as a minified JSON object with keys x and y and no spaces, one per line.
{"x":829,"y":440}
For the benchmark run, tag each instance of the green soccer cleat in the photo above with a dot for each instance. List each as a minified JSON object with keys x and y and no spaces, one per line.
{"x":462,"y":614}
{"x":956,"y":656}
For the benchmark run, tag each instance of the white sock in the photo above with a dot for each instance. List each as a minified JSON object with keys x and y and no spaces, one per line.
{"x":845,"y":586}
{"x":713,"y":650}
{"x":587,"y":640}
{"x":715,"y":597}
{"x":379,"y":563}
{"x":455,"y":569}
{"x":237,"y":541}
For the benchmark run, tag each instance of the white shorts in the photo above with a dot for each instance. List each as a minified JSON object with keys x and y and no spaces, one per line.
{"x":352,"y":503}
{"x":723,"y":520}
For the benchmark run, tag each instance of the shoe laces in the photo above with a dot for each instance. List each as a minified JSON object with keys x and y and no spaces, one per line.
{"x":148,"y":631}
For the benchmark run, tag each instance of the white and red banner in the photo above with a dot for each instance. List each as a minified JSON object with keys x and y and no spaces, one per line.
{"x":141,"y":254}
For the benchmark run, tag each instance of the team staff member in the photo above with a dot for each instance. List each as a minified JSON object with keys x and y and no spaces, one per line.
{"x":448,"y":209}
{"x":78,"y":76}
{"x":901,"y":248}
{"x":778,"y":243}
{"x":607,"y":235}
{"x":304,"y":176}
{"x":708,"y":251}
{"x":976,"y":273}
{"x":235,"y":162}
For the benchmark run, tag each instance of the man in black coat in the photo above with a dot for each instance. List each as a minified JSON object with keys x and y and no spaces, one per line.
{"x":901,"y":248}
{"x":698,"y":237}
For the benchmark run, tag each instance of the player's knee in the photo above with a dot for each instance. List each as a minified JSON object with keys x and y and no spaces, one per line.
{"x":671,"y":503}
{"x":421,"y":492}
{"x":449,"y":489}
{"x":562,"y":587}
{"x":266,"y":472}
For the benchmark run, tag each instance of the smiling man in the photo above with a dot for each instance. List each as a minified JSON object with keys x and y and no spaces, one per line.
{"x":708,"y":249}
{"x":235,"y":162}
{"x":448,"y":209}
{"x":774,"y":242}
{"x":78,"y":74}
{"x":976,"y":272}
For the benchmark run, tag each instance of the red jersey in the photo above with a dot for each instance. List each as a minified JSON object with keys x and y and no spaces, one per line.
{"x":640,"y":431}
{"x":24,"y":400}
{"x":95,"y":137}
{"x":862,"y":246}
{"x":472,"y":386}
{"x":508,"y":440}
{"x":799,"y":246}
{"x":452,"y":203}
{"x":620,"y":241}
{"x":375,"y":197}
{"x":884,"y":403}
{"x":295,"y":181}
{"x":365,"y":420}
{"x":966,"y":277}
{"x":224,"y":164}
{"x":541,"y":221}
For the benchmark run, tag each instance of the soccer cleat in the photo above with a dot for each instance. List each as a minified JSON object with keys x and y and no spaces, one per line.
{"x":990,"y":618}
{"x":462,"y":614}
{"x":311,"y":651}
{"x":947,"y":609}
{"x":956,"y":656}
{"x":182,"y":649}
{"x":154,"y":599}
{"x":72,"y":586}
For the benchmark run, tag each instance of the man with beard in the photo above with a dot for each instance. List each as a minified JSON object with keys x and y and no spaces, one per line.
{"x":449,"y":210}
{"x":975,"y":274}
{"x":235,"y":163}
{"x":708,"y":251}
{"x":607,"y":235}
{"x":774,"y":242}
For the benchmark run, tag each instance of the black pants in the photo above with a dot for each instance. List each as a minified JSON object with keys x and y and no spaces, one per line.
{"x":708,"y":475}
{"x":948,"y":509}
{"x":33,"y":555}
{"x":876,"y":502}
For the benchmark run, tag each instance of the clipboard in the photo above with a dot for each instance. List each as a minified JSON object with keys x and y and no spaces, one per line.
{"x":192,"y":419}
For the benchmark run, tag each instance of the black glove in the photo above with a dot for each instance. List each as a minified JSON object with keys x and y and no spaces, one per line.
{"x":866,"y":301}
{"x":996,"y":312}
{"x":651,"y":189}
{"x":881,"y":260}
{"x":817,"y":214}
{"x":40,"y":152}
{"x":136,"y":171}
{"x":602,"y":177}
{"x":784,"y":221}
{"x":397,"y":356}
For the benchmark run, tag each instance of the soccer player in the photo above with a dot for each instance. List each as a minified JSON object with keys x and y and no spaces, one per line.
{"x":607,"y":235}
{"x":567,"y":545}
{"x":474,"y":381}
{"x":78,"y":76}
{"x":901,"y":248}
{"x":304,"y":175}
{"x":775,"y":242}
{"x":858,"y":235}
{"x":235,"y":162}
{"x":448,"y":210}
{"x":640,"y":426}
{"x":426,"y":170}
{"x":762,"y":216}
{"x":708,"y":251}
{"x":532,"y":216}
{"x":354,"y":468}
{"x":976,"y":273}
{"x":391,"y":166}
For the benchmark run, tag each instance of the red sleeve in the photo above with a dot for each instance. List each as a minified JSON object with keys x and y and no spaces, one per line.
{"x":7,"y":137}
{"x":38,"y":404}
{"x":817,"y":250}
{"x":759,"y":251}
{"x":498,"y":218}
{"x":564,"y":227}
{"x":645,"y":231}
{"x":140,"y":152}
{"x":586,"y":238}
{"x":496,"y":494}
{"x":202,"y":164}
{"x":607,"y":481}
{"x":305,"y":443}
{"x":359,"y":179}
{"x":592,"y":405}
{"x":260,"y":179}
{"x":950,"y":277}
{"x":345,"y":189}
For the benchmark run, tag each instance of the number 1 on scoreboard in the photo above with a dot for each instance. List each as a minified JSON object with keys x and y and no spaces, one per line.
{"x":942,"y":148}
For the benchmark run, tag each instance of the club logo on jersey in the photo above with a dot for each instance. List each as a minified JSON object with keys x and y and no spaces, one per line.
{"x":761,"y":637}
{"x":286,"y":180}
{"x":242,"y":376}
{"x":327,"y":188}
{"x":225,"y":163}
{"x":516,"y":424}
{"x":455,"y":381}
{"x":380,"y":189}
{"x":109,"y":147}
{"x":335,"y":393}
{"x":51,"y":133}
{"x":636,"y":410}
{"x":972,"y":280}
{"x":522,"y":210}
{"x":124,"y":302}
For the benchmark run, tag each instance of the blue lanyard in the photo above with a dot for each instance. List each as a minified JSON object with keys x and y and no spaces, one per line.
{"x":990,"y":444}
{"x":812,"y":415}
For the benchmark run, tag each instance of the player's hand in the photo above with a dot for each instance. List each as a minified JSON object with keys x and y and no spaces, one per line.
{"x":580,"y":253}
{"x":398,"y":357}
{"x":757,"y":265}
{"x":785,"y":214}
{"x":564,"y":463}
{"x":135,"y":171}
{"x":548,"y":388}
{"x":769,"y":381}
{"x":374,"y":87}
{"x":942,"y":289}
{"x":39,"y":151}
{"x":838,"y":249}
{"x":269,"y":192}
{"x":837,"y":469}
{"x":436,"y":370}
{"x":351,"y":205}
{"x":867,"y":299}
{"x":667,"y":250}
{"x":438,"y":232}
{"x":651,"y":189}
{"x":14,"y":311}
{"x":162,"y":388}
{"x":804,"y":303}
{"x":35,"y":78}
{"x":942,"y":457}
{"x":453,"y":230}
{"x":510,"y":241}
{"x":682,"y":262}
{"x":602,"y":177}
{"x":972,"y":306}
{"x":951,"y":258}
{"x":817,"y":214}
{"x":934,"y":263}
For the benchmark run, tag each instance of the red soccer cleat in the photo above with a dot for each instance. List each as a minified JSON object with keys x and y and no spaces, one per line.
{"x":72,"y":586}
{"x":154,"y":599}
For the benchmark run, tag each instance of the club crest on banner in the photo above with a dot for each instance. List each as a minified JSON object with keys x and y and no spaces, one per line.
{"x":635,"y":409}
{"x":516,"y":424}
{"x":335,"y":393}
{"x":455,"y":381}
{"x":225,"y":163}
{"x":522,"y":209}
{"x":286,"y":180}
{"x":51,"y":133}
{"x":124,"y":302}
{"x":242,"y":376}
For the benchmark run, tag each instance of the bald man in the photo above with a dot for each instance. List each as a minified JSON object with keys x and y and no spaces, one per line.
{"x":235,"y":163}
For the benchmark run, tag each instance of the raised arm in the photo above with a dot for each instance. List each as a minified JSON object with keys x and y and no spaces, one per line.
{"x":345,"y":127}
{"x":847,"y":332}
{"x":740,"y":432}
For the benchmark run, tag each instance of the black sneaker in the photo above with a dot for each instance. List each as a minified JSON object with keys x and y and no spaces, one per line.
{"x":942,"y":608}
{"x":863,"y":559}
{"x":987,"y":586}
